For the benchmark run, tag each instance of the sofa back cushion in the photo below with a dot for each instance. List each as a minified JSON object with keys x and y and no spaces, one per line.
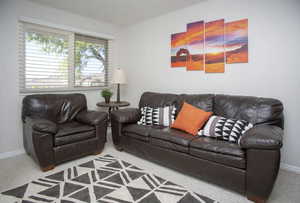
{"x":154,"y":100}
{"x":59,"y":108}
{"x":255,"y":110}
{"x":202,"y":101}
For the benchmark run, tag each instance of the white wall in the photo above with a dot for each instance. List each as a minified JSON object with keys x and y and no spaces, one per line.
{"x":144,"y":51}
{"x":273,"y":69}
{"x":10,"y":99}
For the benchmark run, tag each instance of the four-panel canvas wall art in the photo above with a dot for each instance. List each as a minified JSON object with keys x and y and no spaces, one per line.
{"x":207,"y":46}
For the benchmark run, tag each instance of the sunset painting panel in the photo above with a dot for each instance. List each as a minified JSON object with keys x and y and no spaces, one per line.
{"x":214,"y":47}
{"x":195,"y":45}
{"x":178,"y":50}
{"x":236,"y":41}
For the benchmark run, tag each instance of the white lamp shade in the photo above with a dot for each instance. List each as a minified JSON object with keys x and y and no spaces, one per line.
{"x":119,"y":77}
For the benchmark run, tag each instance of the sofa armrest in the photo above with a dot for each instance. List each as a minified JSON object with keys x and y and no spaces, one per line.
{"x":128,"y":115}
{"x":43,"y":125}
{"x":92,"y":117}
{"x":120,"y":118}
{"x":262,"y":137}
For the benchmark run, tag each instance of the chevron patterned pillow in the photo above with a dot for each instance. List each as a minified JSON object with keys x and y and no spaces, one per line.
{"x":163,"y":116}
{"x":226,"y":129}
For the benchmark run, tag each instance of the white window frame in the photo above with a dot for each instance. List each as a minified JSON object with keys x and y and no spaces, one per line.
{"x":70,"y":32}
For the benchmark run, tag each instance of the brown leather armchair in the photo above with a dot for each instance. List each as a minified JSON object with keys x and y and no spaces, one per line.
{"x":58,"y":128}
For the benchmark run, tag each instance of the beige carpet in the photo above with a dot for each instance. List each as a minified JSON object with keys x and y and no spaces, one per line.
{"x":21,"y":169}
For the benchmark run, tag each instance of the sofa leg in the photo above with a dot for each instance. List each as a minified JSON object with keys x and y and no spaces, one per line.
{"x":256,"y":199}
{"x":48,"y":168}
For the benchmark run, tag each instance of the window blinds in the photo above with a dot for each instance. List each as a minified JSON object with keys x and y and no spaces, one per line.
{"x":54,"y":60}
{"x":90,"y":61}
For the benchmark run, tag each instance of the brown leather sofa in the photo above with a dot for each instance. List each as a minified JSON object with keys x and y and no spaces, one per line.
{"x":58,"y":128}
{"x":250,"y":168}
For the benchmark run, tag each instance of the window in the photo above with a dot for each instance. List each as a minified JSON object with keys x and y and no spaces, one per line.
{"x":54,"y":60}
{"x":90,"y":61}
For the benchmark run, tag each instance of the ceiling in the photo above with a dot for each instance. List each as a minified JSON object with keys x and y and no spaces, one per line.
{"x":119,"y":12}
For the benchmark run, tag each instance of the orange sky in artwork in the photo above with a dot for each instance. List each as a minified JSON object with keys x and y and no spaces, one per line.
{"x":178,"y":39}
{"x":241,"y":25}
{"x":195,"y":45}
{"x":214,"y":45}
{"x":241,"y":57}
{"x":236,"y":36}
{"x":195,"y":31}
{"x":214,"y":28}
{"x":215,"y":68}
{"x":199,"y":35}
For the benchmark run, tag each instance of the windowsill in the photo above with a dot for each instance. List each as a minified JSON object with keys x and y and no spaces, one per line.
{"x":79,"y":89}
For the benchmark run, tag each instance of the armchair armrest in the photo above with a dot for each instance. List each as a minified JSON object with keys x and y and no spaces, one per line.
{"x":38,"y":140}
{"x":91,"y":117}
{"x":262,"y":137}
{"x":128,"y":115}
{"x":43,"y":125}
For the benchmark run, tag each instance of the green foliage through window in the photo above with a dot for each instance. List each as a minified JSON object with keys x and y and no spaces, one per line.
{"x":47,"y":60}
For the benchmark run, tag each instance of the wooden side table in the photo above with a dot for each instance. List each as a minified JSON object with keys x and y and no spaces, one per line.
{"x":112,"y":106}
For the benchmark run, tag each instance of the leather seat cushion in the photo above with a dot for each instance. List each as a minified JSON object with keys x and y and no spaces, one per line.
{"x":73,"y":132}
{"x":169,"y":145}
{"x":173,"y":136}
{"x":141,"y":132}
{"x":171,"y":139}
{"x":218,"y":151}
{"x":73,"y":138}
{"x":72,"y":128}
{"x":234,"y":161}
{"x":218,"y":146}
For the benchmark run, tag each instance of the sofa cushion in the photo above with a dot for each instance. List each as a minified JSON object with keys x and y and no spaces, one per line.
{"x":72,"y":128}
{"x":190,"y":119}
{"x":153,"y":99}
{"x":234,"y":161}
{"x":140,"y":132}
{"x":202,"y":101}
{"x":172,"y":135}
{"x":255,"y":110}
{"x":59,"y":108}
{"x":73,"y":132}
{"x":163,"y":116}
{"x":217,"y":146}
{"x":72,"y":138}
{"x":169,"y":145}
{"x":224,"y":128}
{"x":218,"y":151}
{"x":171,"y":139}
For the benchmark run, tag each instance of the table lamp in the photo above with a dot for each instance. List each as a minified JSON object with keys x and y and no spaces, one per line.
{"x":119,"y":78}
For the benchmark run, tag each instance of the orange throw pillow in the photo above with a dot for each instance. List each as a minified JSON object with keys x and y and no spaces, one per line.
{"x":190,"y":119}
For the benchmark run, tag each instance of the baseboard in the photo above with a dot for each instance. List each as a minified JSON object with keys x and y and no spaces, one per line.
{"x":290,"y":168}
{"x":5,"y":155}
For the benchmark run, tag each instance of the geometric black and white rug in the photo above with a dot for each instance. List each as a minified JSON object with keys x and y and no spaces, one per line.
{"x":105,"y":179}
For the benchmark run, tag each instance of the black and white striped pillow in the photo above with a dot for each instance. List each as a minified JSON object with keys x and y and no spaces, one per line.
{"x":224,"y":128}
{"x":163,"y":116}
